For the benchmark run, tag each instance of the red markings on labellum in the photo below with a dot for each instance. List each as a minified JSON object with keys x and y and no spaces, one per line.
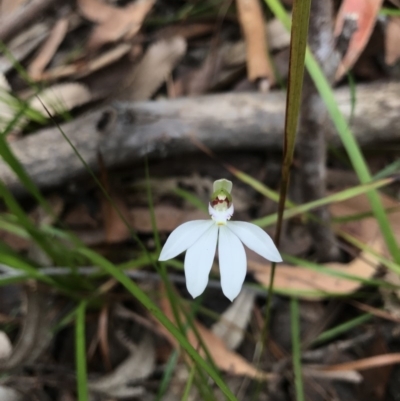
{"x":218,"y":201}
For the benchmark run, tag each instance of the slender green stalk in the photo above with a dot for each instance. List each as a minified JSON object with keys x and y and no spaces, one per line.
{"x":342,"y":328}
{"x":189,"y":384}
{"x":348,"y":140}
{"x":296,"y":348}
{"x":336,"y":197}
{"x":298,"y":42}
{"x":167,"y":376}
{"x":80,"y":349}
{"x":159,"y":315}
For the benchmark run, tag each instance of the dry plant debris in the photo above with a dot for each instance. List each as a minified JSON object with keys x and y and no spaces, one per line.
{"x":364,"y":13}
{"x":113,"y":23}
{"x":392,"y":49}
{"x":252,"y":22}
{"x":300,"y":279}
{"x":224,"y":358}
{"x":48,"y":49}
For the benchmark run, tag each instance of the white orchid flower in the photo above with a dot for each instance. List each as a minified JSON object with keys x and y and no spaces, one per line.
{"x":199,"y":239}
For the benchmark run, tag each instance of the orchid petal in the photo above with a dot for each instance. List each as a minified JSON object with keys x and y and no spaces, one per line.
{"x":256,"y":239}
{"x":232,"y":262}
{"x":183,"y":237}
{"x":198,"y":261}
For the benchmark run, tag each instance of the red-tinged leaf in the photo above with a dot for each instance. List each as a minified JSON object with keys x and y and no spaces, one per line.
{"x":365,"y":13}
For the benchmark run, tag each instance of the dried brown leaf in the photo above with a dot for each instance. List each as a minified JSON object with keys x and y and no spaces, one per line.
{"x":188,"y":31}
{"x":391,"y":296}
{"x":36,"y":331}
{"x":83,"y":68}
{"x":363,"y":364}
{"x":277,"y":35}
{"x":167,"y":218}
{"x":225,"y":359}
{"x":234,"y":54}
{"x":5,"y":346}
{"x":364,"y":266}
{"x":10,"y":394}
{"x":48,"y":48}
{"x":350,"y":376}
{"x":253,"y":26}
{"x":156,"y":65}
{"x":138,"y":366}
{"x":95,"y":10}
{"x":116,"y":229}
{"x":365,"y":13}
{"x":9,"y":6}
{"x":115,"y":210}
{"x":114,"y":23}
{"x":376,"y":380}
{"x":102,"y":333}
{"x":392,"y":40}
{"x":4,"y":85}
{"x":22,"y":45}
{"x":232,"y":324}
{"x":202,"y":79}
{"x":62,"y":97}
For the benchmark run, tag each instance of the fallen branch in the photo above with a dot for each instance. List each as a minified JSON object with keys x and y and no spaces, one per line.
{"x":311,"y":142}
{"x":126,"y":132}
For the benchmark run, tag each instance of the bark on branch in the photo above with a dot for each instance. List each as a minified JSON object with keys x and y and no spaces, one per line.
{"x":311,"y":136}
{"x":126,"y":132}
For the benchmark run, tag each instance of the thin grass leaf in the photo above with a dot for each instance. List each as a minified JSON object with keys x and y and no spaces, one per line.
{"x":159,"y":315}
{"x":296,"y":348}
{"x":334,"y":273}
{"x":189,"y":384}
{"x":26,"y":223}
{"x":167,"y":376}
{"x":354,"y":153}
{"x":337,"y":197}
{"x":258,"y":186}
{"x":156,"y":235}
{"x":342,"y":328}
{"x":100,"y":186}
{"x":298,"y":41}
{"x":361,"y":216}
{"x":390,"y":12}
{"x":15,"y":165}
{"x":191,"y":198}
{"x":80,"y":351}
{"x":353,"y":95}
{"x":360,"y":245}
{"x":346,"y":136}
{"x":392,"y":168}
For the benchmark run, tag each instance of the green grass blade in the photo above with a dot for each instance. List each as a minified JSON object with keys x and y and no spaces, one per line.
{"x":167,"y":376}
{"x":392,"y":168}
{"x":298,"y":42}
{"x":342,"y":328}
{"x":296,"y":348}
{"x":354,"y":153}
{"x":16,"y":166}
{"x":348,"y":140}
{"x":80,"y":349}
{"x":159,"y":315}
{"x":189,"y":383}
{"x":335,"y":273}
{"x":191,"y":198}
{"x":337,"y":197}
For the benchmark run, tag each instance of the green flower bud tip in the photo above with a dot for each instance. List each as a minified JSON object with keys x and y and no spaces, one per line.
{"x":221,"y":196}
